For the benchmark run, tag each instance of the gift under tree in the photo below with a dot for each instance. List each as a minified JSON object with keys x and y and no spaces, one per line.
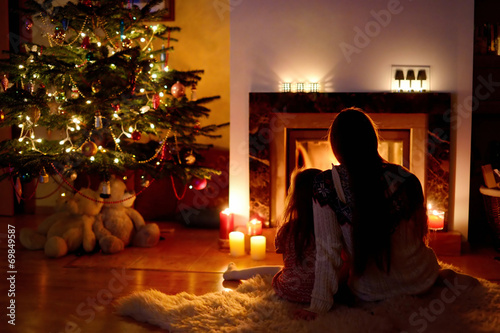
{"x":99,"y":97}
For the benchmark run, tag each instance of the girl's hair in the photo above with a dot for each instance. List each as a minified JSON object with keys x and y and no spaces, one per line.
{"x":298,"y":219}
{"x":354,"y":141}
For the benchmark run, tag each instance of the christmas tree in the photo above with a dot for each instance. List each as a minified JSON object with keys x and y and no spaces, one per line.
{"x":100,"y":98}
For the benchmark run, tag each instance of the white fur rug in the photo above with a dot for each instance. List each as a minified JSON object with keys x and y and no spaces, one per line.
{"x":253,"y":307}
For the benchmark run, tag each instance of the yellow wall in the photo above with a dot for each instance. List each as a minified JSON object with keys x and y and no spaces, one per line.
{"x":203,"y":43}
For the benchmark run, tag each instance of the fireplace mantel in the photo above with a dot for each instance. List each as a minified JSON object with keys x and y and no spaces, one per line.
{"x":273,"y":114}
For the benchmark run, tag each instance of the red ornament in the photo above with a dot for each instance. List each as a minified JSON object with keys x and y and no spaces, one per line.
{"x":178,"y":90}
{"x":156,"y":101}
{"x":199,"y":184}
{"x":5,"y":83}
{"x":28,"y":23}
{"x":89,"y":149}
{"x":197,"y":127}
{"x":86,"y":42}
{"x":136,"y":136}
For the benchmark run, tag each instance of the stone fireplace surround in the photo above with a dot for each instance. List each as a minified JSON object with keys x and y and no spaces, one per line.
{"x":272,"y":115}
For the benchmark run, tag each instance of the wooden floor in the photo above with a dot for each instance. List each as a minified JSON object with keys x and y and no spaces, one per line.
{"x":76,"y":293}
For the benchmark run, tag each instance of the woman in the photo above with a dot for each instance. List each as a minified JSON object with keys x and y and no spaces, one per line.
{"x":375,"y":212}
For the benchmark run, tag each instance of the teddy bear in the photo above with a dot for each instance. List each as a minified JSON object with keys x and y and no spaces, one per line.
{"x":119,"y":225}
{"x":69,"y":228}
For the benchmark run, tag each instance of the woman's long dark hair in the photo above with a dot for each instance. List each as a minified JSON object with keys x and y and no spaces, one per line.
{"x":354,"y":140}
{"x":298,"y":219}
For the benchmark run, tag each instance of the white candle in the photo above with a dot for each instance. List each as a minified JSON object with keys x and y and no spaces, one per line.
{"x":236,"y":243}
{"x":258,"y":247}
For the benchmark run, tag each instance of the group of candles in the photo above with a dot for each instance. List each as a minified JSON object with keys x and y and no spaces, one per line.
{"x":237,"y":238}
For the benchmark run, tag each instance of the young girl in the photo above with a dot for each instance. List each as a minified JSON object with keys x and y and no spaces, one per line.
{"x":295,"y":240}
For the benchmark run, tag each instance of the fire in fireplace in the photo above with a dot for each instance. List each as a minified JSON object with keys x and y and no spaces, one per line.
{"x":310,"y":148}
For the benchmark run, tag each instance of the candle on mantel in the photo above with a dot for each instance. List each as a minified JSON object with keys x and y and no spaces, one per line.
{"x":435,"y":219}
{"x":254,"y":227}
{"x":258,"y":247}
{"x":236,"y":243}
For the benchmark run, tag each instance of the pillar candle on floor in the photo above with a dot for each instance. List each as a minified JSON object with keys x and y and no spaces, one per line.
{"x":236,"y":243}
{"x":258,"y":247}
{"x":226,"y":220}
{"x":254,"y":227}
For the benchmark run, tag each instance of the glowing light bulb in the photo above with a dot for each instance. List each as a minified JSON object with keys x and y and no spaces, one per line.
{"x":116,"y":160}
{"x":89,"y":101}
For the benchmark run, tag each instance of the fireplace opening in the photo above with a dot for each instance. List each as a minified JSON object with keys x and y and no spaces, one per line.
{"x":310,"y":148}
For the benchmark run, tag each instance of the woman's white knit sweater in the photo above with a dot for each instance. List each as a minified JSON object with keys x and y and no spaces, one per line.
{"x":414,"y":267}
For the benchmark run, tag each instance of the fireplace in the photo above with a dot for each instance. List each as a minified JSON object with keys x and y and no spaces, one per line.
{"x":289,"y":130}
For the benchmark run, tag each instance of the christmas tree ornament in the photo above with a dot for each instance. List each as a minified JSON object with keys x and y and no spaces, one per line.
{"x":190,"y":159}
{"x":136,"y":135}
{"x":198,"y":183}
{"x":98,"y":121}
{"x":178,"y":90}
{"x":65,"y":24}
{"x":71,"y":175}
{"x":122,"y":30}
{"x":30,"y":87}
{"x":87,"y":3}
{"x":105,"y":189}
{"x":89,"y":149}
{"x":96,"y":86}
{"x":126,"y":43}
{"x":144,"y":181}
{"x":86,"y":42}
{"x":197,"y":127}
{"x":28,"y":23}
{"x":74,"y":92}
{"x":156,"y":101}
{"x":163,"y":54}
{"x":34,"y":113}
{"x":26,"y":177}
{"x":194,"y":96}
{"x":5,"y":83}
{"x":44,"y":177}
{"x":59,"y":35}
{"x":90,"y":56}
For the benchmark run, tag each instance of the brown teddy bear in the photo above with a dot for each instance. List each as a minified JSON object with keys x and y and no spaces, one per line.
{"x":69,"y":228}
{"x":120,"y":225}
